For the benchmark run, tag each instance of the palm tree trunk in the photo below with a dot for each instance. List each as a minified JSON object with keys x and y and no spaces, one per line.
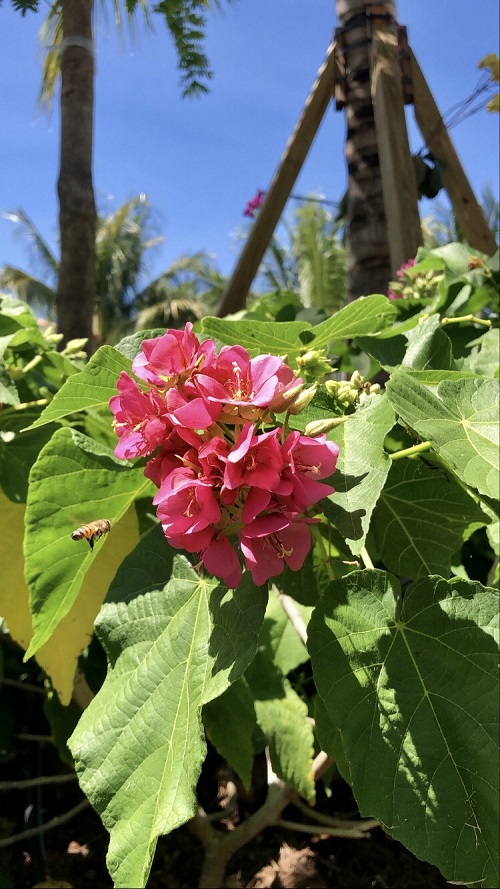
{"x":77,"y":213}
{"x":369,"y":259}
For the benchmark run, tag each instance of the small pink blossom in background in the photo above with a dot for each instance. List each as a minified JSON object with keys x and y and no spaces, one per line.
{"x":391,"y":295}
{"x":398,"y":294}
{"x":254,"y":204}
{"x":230,"y":488}
{"x":406,"y":265}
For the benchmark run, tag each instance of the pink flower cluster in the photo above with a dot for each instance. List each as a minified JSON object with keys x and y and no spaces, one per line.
{"x":223,"y":476}
{"x":400,"y":273}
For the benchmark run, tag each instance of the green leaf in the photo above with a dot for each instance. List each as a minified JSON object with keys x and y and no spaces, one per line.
{"x":18,"y":452}
{"x":139,"y":746}
{"x":388,"y":351}
{"x":412,"y":685}
{"x":322,"y":407}
{"x":146,"y":568}
{"x":362,"y":469}
{"x":461,"y":422}
{"x":92,"y":387}
{"x":362,"y":317}
{"x":484,"y":354}
{"x":299,"y":584}
{"x":230,"y":723}
{"x":420,"y":519}
{"x":261,"y":337}
{"x":457,"y":257}
{"x":428,"y":347}
{"x":280,"y":637}
{"x":330,"y":738}
{"x":74,"y":481}
{"x":282,"y":716}
{"x":130,"y":346}
{"x":8,"y":391}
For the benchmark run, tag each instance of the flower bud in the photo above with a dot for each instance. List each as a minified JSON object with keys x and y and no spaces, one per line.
{"x":287,"y":399}
{"x":318,"y":427}
{"x":303,"y":399}
{"x":314,"y":363}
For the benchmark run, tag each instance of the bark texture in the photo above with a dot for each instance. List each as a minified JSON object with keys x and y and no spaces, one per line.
{"x":369,"y":258}
{"x":77,"y":212}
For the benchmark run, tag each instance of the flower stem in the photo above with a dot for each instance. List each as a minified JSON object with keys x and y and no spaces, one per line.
{"x":472,"y":318}
{"x":321,"y":545}
{"x":413,"y":451}
{"x":367,"y":562}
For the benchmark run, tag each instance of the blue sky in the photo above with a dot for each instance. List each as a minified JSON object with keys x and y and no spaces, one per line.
{"x":200,"y":160}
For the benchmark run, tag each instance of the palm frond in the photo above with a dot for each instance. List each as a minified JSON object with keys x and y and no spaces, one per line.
{"x":41,"y":252}
{"x":51,"y":34}
{"x":29,"y":289}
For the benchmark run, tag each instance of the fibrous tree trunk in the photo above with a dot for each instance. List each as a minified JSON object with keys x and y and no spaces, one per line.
{"x":369,"y":258}
{"x":77,"y":213}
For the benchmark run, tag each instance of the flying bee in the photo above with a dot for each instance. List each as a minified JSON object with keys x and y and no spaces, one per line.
{"x":92,"y":531}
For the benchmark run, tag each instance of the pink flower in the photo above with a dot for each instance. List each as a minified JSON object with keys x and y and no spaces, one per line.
{"x":173,"y":357}
{"x":220,"y":559}
{"x":306,"y":461}
{"x":254,"y":204}
{"x":216,"y":553}
{"x":173,"y":448}
{"x":236,"y":380}
{"x":270,"y":541}
{"x":141,"y":419}
{"x":186,"y":502}
{"x":255,"y":461}
{"x":225,"y":478}
{"x":192,"y":413}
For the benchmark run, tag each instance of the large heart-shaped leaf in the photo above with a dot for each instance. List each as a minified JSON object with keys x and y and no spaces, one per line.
{"x":461,"y":422}
{"x":420,"y":519}
{"x":139,"y":747}
{"x":411,"y":682}
{"x":362,"y":469}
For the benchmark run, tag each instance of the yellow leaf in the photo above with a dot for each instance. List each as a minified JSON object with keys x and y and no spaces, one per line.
{"x":14,"y":593}
{"x":59,"y":656}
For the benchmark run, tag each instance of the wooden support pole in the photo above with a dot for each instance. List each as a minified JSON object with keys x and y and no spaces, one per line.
{"x":396,"y":166}
{"x":295,"y":153}
{"x":466,"y":208}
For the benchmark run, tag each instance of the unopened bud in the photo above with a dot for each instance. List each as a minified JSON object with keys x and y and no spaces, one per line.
{"x":303,"y":399}
{"x":75,"y":345}
{"x":357,"y":380}
{"x":318,"y":427}
{"x":314,"y":361}
{"x":332,"y":387}
{"x":284,"y":401}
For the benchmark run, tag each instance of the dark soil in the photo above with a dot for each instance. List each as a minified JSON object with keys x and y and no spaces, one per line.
{"x":74,"y":854}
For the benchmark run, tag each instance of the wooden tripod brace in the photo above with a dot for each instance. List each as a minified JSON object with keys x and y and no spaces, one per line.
{"x":397,"y":170}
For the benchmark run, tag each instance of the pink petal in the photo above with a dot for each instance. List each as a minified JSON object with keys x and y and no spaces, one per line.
{"x":220,"y":559}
